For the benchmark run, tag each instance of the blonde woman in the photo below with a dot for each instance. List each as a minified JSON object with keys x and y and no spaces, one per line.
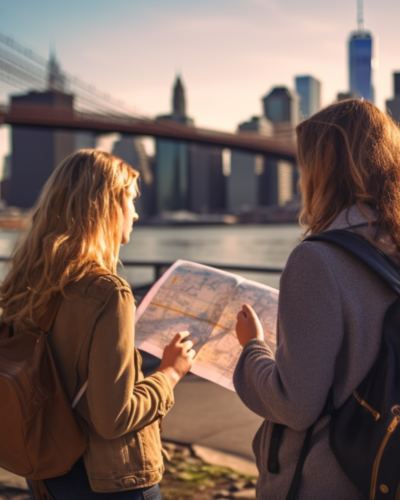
{"x":84,"y":213}
{"x":331,"y":305}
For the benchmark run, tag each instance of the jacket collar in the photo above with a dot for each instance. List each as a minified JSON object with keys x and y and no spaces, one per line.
{"x":353,"y":217}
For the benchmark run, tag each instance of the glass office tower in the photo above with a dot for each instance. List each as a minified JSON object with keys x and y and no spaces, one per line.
{"x":282,"y":105}
{"x":309,"y":89}
{"x":360,"y":70}
{"x":360,"y":58}
{"x":393,"y":105}
{"x":172,"y":159}
{"x":172,"y":175}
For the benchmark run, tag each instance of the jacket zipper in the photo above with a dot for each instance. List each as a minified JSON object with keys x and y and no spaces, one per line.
{"x":378,"y":457}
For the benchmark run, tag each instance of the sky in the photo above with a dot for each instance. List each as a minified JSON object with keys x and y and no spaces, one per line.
{"x":229,"y":52}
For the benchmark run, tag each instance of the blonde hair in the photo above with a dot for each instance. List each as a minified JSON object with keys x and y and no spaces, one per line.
{"x":349,"y":154}
{"x":75,"y":230}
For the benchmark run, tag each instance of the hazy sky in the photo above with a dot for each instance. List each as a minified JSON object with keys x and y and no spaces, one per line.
{"x":230,"y":52}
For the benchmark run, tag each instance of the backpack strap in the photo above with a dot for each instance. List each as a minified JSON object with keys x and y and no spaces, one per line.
{"x":294,"y":485}
{"x":274,"y":445}
{"x":360,"y":247}
{"x":46,"y":321}
{"x":380,"y":263}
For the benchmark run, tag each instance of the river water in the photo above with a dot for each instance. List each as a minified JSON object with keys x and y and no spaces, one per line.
{"x":257,"y":245}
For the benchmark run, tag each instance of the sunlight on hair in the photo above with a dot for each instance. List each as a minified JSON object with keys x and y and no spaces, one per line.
{"x":349,"y":154}
{"x":75,"y":231}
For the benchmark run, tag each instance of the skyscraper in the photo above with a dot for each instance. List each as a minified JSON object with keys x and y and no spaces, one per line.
{"x":131,"y":149}
{"x":172,"y":159}
{"x":360,"y":59}
{"x":309,"y":90}
{"x":246,"y":169}
{"x":281,"y":105}
{"x":179,"y":99}
{"x":207,"y":183}
{"x":256,"y":180}
{"x":187,"y":177}
{"x":393,"y":105}
{"x":278,"y":180}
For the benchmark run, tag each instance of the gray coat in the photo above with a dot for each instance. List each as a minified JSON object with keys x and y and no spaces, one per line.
{"x":330,"y":315}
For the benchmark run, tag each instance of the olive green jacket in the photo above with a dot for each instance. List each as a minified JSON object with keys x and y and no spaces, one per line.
{"x":93,"y":339}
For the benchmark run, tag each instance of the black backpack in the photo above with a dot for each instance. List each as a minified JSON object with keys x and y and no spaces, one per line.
{"x":364,"y":432}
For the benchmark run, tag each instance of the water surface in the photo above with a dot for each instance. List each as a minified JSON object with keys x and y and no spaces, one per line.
{"x":257,"y":245}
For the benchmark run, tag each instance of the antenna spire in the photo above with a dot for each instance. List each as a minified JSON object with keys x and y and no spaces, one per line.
{"x":360,"y":15}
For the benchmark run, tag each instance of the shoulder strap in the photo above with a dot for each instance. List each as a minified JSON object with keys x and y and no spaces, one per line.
{"x":361,"y":248}
{"x":294,"y":486}
{"x":45,"y":324}
{"x":386,"y":269}
{"x":274,"y":445}
{"x":46,"y":321}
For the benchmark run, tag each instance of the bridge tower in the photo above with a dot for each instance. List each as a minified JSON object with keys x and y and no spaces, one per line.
{"x":37,"y":151}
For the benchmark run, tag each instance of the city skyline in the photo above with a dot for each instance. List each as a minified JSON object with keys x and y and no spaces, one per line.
{"x":229,"y":53}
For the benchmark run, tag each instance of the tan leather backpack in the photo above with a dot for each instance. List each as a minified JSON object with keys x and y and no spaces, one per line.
{"x":40,"y":437}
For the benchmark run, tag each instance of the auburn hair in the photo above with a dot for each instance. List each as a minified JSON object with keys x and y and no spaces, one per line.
{"x":74,"y":230}
{"x":349,"y":154}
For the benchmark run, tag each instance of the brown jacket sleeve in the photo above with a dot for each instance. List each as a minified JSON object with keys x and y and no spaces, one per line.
{"x":118,"y":402}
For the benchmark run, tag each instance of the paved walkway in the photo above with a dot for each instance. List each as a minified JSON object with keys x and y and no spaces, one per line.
{"x":13,"y":487}
{"x":209,"y":415}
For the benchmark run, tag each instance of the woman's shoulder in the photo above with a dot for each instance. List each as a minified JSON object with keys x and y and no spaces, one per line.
{"x":320,"y":262}
{"x":315,"y":251}
{"x":100,"y":286}
{"x":109,"y":282}
{"x":317,"y":263}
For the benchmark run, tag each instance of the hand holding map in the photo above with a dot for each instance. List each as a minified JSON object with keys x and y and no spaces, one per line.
{"x":204,"y":301}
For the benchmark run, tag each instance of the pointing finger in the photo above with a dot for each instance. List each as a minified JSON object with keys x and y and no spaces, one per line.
{"x":248,"y":310}
{"x":241,"y":316}
{"x":180,"y":336}
{"x":188,"y":345}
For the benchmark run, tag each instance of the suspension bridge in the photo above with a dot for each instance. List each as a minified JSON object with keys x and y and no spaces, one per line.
{"x":22,"y":70}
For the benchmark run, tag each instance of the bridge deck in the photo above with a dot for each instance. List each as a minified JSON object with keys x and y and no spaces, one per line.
{"x":281,"y":146}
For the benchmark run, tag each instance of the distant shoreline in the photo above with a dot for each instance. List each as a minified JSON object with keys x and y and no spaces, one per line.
{"x":19,"y":225}
{"x":216,"y":224}
{"x":18,"y":221}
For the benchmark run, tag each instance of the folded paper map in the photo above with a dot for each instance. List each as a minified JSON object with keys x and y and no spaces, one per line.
{"x":204,"y":301}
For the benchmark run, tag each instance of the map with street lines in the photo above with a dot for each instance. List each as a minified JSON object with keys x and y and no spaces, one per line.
{"x":204,"y":301}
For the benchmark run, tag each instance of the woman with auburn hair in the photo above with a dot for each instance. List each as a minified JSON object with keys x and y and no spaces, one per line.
{"x":331,"y":305}
{"x":70,"y":252}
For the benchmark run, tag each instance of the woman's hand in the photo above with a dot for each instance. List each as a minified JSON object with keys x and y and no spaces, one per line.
{"x":177,"y":358}
{"x":248,"y":326}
